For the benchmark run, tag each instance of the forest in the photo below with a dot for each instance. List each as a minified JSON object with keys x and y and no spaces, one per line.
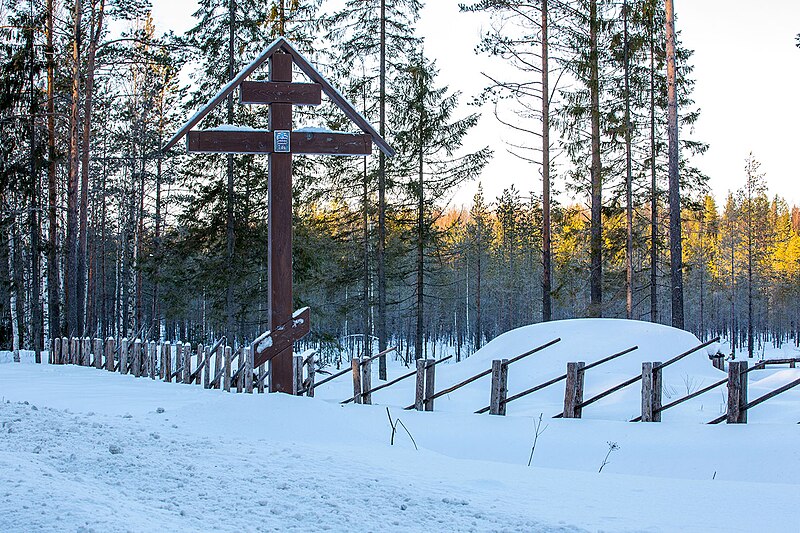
{"x":105,"y":234}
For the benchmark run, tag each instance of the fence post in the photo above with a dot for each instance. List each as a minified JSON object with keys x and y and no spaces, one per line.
{"x":419,"y":394}
{"x":297,"y":369}
{"x":73,"y":351}
{"x":218,"y":364}
{"x":54,"y":351}
{"x":178,"y":361}
{"x":151,"y":359}
{"x":311,"y":376}
{"x":110,"y":354}
{"x":355,"y":364}
{"x":262,"y":377}
{"x":166,"y":361}
{"x":573,"y":393}
{"x":366,"y":380}
{"x":87,"y":349}
{"x":123,"y":355}
{"x":226,"y":378}
{"x":187,"y":363}
{"x":651,"y":392}
{"x":199,"y":361}
{"x":207,"y":369}
{"x":136,"y":358}
{"x":430,"y":383}
{"x":240,"y":379}
{"x":497,"y":405}
{"x":737,"y":392}
{"x":248,"y":370}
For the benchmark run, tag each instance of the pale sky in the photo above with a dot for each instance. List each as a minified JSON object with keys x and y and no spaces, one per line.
{"x":747,"y":72}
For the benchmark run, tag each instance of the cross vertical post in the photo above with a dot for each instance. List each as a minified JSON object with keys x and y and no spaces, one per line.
{"x":280,"y":229}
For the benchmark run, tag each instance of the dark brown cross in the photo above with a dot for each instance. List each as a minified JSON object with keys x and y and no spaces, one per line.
{"x":280,"y":142}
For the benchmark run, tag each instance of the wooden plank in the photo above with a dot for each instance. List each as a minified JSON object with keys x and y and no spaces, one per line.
{"x":366,"y":381}
{"x":430,"y":383}
{"x":340,"y":101}
{"x":87,"y":349}
{"x":207,"y":368}
{"x":419,"y":390}
{"x":737,"y":392}
{"x":225,"y":91}
{"x":297,"y":366}
{"x":355,"y":367}
{"x":151,"y":359}
{"x":110,"y":354}
{"x":309,"y":385}
{"x":248,"y":371}
{"x":123,"y":356}
{"x":275,"y":92}
{"x":281,"y":338}
{"x":226,"y":380}
{"x":187,"y":363}
{"x":261,"y":142}
{"x":136,"y":357}
{"x":573,"y":390}
{"x":219,"y":358}
{"x":499,"y":387}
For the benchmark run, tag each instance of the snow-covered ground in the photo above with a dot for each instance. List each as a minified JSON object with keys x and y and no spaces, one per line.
{"x":87,"y":450}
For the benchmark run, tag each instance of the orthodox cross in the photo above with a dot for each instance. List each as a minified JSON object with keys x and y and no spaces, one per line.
{"x":279,"y":143}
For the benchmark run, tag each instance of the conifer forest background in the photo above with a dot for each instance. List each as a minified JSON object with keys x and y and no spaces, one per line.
{"x":103,"y":234}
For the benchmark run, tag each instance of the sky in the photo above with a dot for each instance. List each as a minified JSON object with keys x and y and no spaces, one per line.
{"x":746,"y":67}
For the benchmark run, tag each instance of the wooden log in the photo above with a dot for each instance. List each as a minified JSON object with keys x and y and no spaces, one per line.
{"x":651,"y":399}
{"x":187,"y":363}
{"x":273,"y":92}
{"x":226,"y":379}
{"x":136,"y":358}
{"x":657,"y":390}
{"x":430,"y":383}
{"x":573,"y":391}
{"x":66,"y":350}
{"x":110,"y":354}
{"x":219,"y":358}
{"x":355,"y":366}
{"x":366,"y":381}
{"x":87,"y":351}
{"x":312,"y":369}
{"x":297,"y":368}
{"x":238,"y":376}
{"x":151,"y":359}
{"x":207,"y":369}
{"x":97,"y":353}
{"x":263,"y":142}
{"x":248,"y":371}
{"x":166,"y":362}
{"x":123,"y":355}
{"x":737,"y":392}
{"x":55,"y":351}
{"x":200,"y":354}
{"x":499,"y":387}
{"x":74,"y":351}
{"x":262,"y":378}
{"x":419,"y":390}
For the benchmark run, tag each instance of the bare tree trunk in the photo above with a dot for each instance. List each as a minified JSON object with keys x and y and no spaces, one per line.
{"x":596,"y":238}
{"x":33,"y":219}
{"x":72,"y":279}
{"x":628,"y":176}
{"x":478,"y":316}
{"x":381,"y":248}
{"x":653,"y":183}
{"x":675,"y":241}
{"x":547,"y":312}
{"x":53,"y":282}
{"x":229,"y":222}
{"x":420,"y":252}
{"x":94,"y":36}
{"x":12,"y":292}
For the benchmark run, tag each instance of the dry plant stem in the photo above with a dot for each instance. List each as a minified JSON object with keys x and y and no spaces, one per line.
{"x":394,"y":424}
{"x":538,"y":430}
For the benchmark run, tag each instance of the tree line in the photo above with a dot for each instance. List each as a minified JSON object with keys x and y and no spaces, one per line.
{"x":106,"y":234}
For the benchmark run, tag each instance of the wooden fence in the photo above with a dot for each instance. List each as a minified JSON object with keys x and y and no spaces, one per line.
{"x":214,"y":366}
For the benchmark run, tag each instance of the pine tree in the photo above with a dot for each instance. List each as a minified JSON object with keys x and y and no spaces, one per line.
{"x":429,"y":141}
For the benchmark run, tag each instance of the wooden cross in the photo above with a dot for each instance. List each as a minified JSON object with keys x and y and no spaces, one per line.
{"x":280,"y":142}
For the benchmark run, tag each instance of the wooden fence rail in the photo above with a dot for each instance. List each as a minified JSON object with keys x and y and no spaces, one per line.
{"x":489,"y":371}
{"x":559,"y":378}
